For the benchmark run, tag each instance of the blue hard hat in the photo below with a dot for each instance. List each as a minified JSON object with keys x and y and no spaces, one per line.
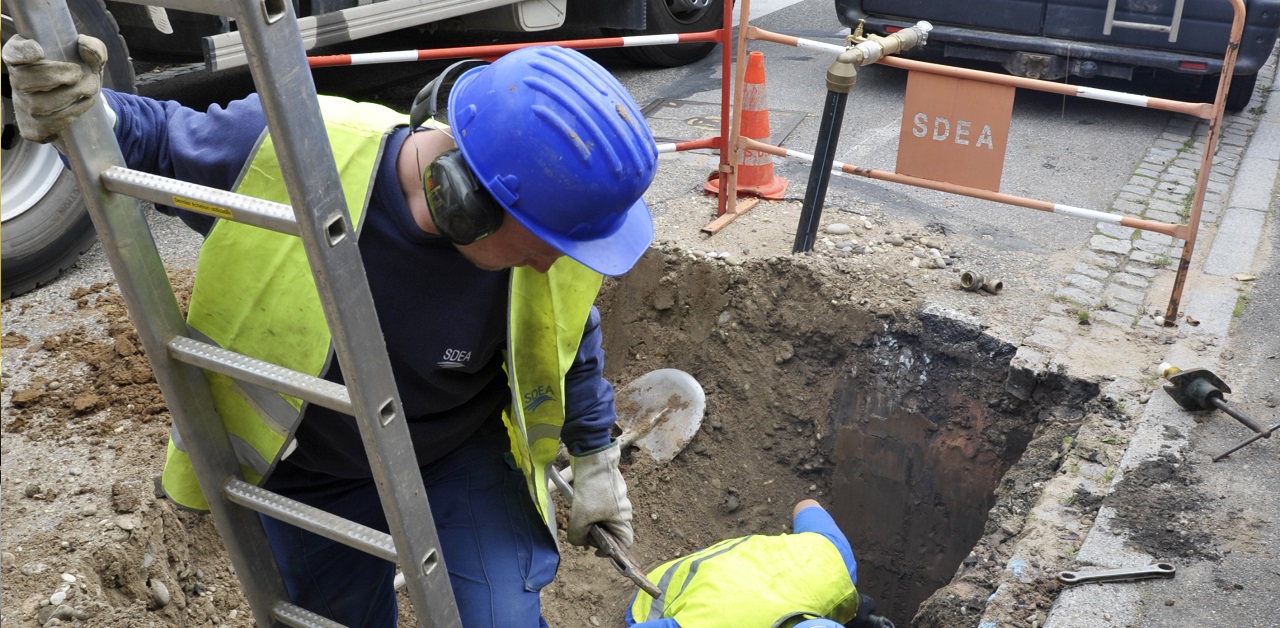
{"x":820,"y":622}
{"x":564,"y":149}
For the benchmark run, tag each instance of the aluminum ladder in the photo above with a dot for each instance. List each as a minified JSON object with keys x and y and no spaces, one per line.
{"x":319,"y":216}
{"x":1172,"y":28}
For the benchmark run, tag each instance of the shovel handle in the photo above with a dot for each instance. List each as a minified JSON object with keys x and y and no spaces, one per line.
{"x":608,"y":545}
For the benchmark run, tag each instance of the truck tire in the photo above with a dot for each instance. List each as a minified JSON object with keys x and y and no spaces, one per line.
{"x":664,"y":17}
{"x":1240,"y":92}
{"x":46,"y":225}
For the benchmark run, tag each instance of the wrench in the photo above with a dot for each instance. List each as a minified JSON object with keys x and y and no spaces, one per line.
{"x":1127,"y":574}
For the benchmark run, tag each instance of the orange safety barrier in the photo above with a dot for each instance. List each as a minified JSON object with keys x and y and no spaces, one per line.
{"x":1212,"y":112}
{"x":738,"y":174}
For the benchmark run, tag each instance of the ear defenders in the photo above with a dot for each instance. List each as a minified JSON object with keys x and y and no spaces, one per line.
{"x":462,"y":210}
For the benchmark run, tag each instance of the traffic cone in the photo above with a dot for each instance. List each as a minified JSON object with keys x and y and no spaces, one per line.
{"x":755,"y":168}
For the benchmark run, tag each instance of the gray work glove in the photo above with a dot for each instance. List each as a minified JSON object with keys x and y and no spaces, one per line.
{"x":49,"y":95}
{"x":599,"y":496}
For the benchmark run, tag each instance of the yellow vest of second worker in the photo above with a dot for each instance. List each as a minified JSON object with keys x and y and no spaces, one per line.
{"x":751,"y":582}
{"x":254,"y":294}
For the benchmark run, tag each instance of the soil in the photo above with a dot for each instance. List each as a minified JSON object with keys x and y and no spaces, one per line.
{"x":1165,"y":489}
{"x":770,"y":337}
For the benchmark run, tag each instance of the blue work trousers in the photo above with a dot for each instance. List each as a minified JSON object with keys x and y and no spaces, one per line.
{"x":498,"y":552}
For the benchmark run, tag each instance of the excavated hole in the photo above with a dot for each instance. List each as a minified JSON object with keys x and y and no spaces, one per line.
{"x":900,"y":424}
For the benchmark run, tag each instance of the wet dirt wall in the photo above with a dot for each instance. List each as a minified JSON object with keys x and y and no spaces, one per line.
{"x":896,"y":420}
{"x":924,"y":431}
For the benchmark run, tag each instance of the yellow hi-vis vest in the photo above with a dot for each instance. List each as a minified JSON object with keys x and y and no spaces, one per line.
{"x":254,"y":294}
{"x":752,"y":581}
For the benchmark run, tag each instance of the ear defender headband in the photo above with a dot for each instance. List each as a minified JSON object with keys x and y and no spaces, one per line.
{"x":462,"y":210}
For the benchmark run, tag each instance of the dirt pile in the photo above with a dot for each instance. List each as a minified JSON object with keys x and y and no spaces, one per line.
{"x":772,"y":339}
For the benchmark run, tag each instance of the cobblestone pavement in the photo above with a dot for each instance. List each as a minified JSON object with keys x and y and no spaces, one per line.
{"x":1121,"y":283}
{"x":1123,"y":267}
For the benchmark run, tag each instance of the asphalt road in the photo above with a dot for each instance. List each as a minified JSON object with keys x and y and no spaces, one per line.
{"x":1061,"y":149}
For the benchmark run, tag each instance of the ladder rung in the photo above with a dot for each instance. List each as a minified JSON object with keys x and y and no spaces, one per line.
{"x":265,"y":374}
{"x":208,"y":7}
{"x":1141,"y":26}
{"x":312,"y":519}
{"x":1175,"y":22}
{"x":202,"y":199}
{"x":298,"y":617}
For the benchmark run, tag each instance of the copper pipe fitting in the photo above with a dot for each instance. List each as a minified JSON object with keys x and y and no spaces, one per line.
{"x":971,"y":281}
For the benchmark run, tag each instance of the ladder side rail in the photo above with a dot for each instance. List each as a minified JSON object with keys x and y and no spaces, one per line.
{"x":91,"y":147}
{"x":279,"y":67}
{"x":1110,"y":20}
{"x":1177,"y":20}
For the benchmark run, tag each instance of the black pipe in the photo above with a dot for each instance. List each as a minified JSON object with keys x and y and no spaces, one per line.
{"x":1220,"y":404}
{"x":824,"y":155}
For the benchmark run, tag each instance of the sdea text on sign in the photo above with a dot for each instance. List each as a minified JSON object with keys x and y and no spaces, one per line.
{"x":954,"y":130}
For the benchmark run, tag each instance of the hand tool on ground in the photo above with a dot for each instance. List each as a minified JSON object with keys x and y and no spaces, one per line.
{"x":1127,"y":574}
{"x":607,"y":545}
{"x":1199,"y":389}
{"x":1246,"y":442}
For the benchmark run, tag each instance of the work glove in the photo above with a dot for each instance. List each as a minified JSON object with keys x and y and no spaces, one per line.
{"x":49,"y":95}
{"x":599,"y":496}
{"x":867,"y":617}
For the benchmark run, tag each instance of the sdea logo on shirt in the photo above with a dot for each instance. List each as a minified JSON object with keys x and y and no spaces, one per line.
{"x":454,"y":358}
{"x":536,"y":397}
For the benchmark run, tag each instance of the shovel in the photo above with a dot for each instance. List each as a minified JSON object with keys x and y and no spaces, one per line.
{"x":660,"y":412}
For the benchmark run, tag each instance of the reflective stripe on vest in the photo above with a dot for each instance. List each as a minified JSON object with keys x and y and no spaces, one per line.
{"x":254,"y":294}
{"x":752,"y":582}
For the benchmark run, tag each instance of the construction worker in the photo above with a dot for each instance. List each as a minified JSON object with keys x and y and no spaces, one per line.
{"x":804,"y":579}
{"x":484,"y":244}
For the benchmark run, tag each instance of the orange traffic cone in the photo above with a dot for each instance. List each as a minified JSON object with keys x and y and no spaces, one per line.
{"x":755,"y":168}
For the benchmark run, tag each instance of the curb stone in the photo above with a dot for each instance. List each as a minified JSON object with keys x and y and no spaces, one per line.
{"x":1125,"y":268}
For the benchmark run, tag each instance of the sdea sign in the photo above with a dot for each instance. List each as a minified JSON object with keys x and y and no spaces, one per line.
{"x":954,"y":130}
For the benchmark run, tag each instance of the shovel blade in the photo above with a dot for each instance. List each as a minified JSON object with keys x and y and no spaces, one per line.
{"x":660,"y":412}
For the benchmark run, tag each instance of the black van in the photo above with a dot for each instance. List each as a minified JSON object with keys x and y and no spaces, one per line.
{"x":1180,"y":40}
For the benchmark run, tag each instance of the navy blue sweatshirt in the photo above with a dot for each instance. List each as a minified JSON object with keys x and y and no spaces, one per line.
{"x":444,"y":320}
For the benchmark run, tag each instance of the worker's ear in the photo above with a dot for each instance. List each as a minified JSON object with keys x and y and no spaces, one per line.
{"x":426,"y":103}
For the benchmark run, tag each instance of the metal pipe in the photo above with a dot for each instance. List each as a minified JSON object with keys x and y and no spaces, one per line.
{"x":842,"y":74}
{"x":1246,"y":442}
{"x":820,"y":174}
{"x":731,"y":126}
{"x":971,"y":281}
{"x":1177,"y":231}
{"x":1219,"y":403}
{"x":497,"y":50}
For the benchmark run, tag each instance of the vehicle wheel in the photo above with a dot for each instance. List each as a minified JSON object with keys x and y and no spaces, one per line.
{"x":46,"y":226}
{"x":664,"y":17}
{"x":1240,"y":92}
